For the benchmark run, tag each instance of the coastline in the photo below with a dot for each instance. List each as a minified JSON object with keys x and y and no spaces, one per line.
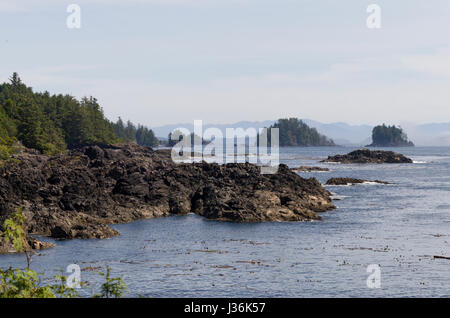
{"x":79,"y":194}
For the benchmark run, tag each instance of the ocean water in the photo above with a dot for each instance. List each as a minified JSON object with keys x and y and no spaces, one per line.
{"x":400,"y":227}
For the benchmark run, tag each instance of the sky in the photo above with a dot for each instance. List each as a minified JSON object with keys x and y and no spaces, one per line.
{"x":158,"y":62}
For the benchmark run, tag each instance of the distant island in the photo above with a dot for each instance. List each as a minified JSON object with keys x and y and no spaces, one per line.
{"x":389,"y":136}
{"x":194,"y":139}
{"x":369,"y":156}
{"x":294,"y":132}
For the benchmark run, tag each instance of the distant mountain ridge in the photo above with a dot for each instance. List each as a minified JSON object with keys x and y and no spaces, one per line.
{"x":431,"y":134}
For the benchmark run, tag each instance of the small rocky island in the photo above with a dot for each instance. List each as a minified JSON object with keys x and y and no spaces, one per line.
{"x":369,"y":156}
{"x":294,"y":132}
{"x":389,"y":136}
{"x":79,"y":193}
{"x":351,"y":181}
{"x":310,"y":169}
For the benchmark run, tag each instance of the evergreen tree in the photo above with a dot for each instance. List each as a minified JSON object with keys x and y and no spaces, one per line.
{"x":50,"y":123}
{"x":119,"y":129}
{"x":146,"y":137}
{"x":15,"y":80}
{"x":140,"y":135}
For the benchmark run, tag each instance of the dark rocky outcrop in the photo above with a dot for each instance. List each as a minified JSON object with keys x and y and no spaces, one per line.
{"x":78,"y":194}
{"x":309,"y":169}
{"x":351,"y":181}
{"x":369,"y":156}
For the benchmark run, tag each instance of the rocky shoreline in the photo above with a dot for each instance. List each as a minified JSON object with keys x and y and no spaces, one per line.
{"x":79,"y":194}
{"x":29,"y":244}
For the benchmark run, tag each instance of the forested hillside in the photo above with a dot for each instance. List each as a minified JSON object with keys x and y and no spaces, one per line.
{"x":294,"y":132}
{"x":389,"y":136}
{"x":52,"y":123}
{"x":130,"y":133}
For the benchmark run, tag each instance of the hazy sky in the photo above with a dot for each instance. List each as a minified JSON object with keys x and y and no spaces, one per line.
{"x":166,"y":61}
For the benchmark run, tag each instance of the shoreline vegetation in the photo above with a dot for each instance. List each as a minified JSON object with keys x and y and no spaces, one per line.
{"x":52,"y":124}
{"x":26,"y":283}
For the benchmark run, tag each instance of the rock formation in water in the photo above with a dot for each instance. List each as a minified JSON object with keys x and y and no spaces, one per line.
{"x":78,"y":194}
{"x":310,"y":169}
{"x":369,"y":156}
{"x":389,"y":136}
{"x":351,"y":181}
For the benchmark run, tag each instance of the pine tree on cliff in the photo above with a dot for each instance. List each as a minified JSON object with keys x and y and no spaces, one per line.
{"x":15,"y":80}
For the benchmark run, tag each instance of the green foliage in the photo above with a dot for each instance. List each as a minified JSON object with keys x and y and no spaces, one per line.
{"x":146,"y":137}
{"x":129,"y":133}
{"x":13,"y":231}
{"x":8,"y":147}
{"x":389,"y":136}
{"x":51,"y":123}
{"x":125,"y":133}
{"x":294,"y":132}
{"x":113,"y":287}
{"x":7,"y":126}
{"x":61,"y":290}
{"x":15,"y":283}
